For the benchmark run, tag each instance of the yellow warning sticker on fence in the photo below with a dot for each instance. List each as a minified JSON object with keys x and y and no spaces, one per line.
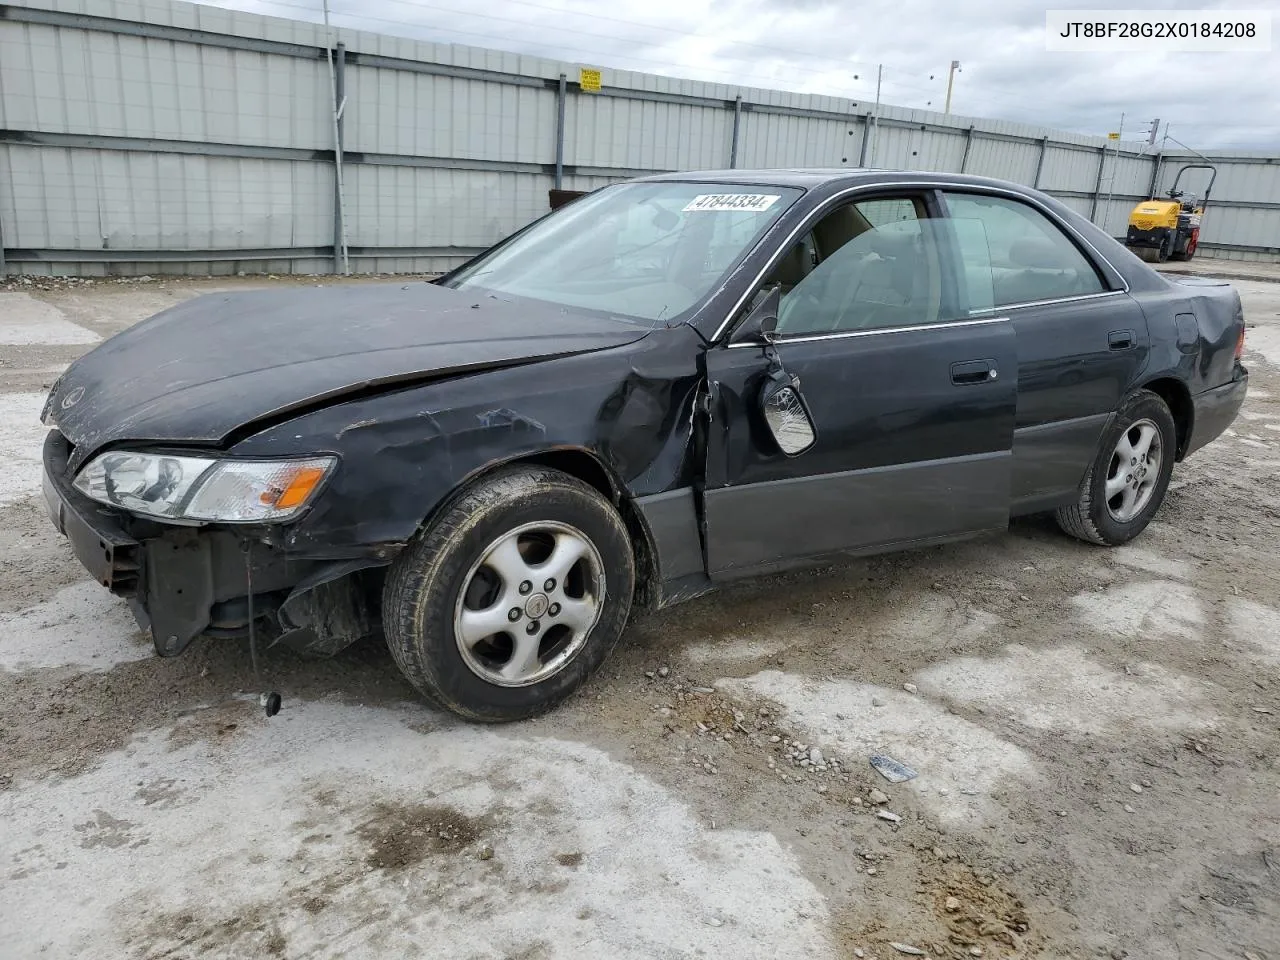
{"x":1113,"y":136}
{"x":589,"y":80}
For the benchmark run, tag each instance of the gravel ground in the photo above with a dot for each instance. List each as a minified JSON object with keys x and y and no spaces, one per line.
{"x":1095,"y":733}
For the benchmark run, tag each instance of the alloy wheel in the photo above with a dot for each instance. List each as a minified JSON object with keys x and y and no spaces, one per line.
{"x":1133,"y":471}
{"x":527,"y":606}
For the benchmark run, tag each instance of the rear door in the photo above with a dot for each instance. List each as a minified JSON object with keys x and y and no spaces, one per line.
{"x":911,"y":396}
{"x":1081,"y":344}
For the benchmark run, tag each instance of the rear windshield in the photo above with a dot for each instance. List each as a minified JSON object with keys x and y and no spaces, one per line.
{"x":648,"y":252}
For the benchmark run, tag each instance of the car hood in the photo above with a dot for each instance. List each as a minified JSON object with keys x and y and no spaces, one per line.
{"x":200,"y":370}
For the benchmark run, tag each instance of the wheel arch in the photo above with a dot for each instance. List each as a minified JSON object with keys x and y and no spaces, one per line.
{"x":584,"y":465}
{"x":1177,"y":397}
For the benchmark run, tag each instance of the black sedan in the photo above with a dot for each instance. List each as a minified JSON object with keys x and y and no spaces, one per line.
{"x":665,"y":385}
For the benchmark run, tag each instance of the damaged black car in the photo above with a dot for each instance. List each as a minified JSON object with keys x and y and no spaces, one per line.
{"x":665,"y":385}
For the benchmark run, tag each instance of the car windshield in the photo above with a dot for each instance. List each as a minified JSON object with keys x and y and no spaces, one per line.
{"x":648,"y":252}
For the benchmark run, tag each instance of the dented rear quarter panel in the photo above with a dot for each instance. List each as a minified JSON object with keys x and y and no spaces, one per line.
{"x":1194,"y":324}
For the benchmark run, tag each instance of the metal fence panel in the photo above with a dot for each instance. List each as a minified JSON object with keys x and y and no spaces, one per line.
{"x":423,"y":207}
{"x":1070,"y":169}
{"x":111,"y":200}
{"x":775,"y":140}
{"x":64,"y":80}
{"x":644,"y":134}
{"x":1003,"y":159}
{"x":415,"y":114}
{"x":161,"y":136}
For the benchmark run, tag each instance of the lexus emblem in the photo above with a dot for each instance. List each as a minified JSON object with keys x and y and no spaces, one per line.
{"x":72,"y":398}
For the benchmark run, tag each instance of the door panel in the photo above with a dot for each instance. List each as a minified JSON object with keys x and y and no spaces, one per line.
{"x":1069,"y":366}
{"x":1077,"y":360}
{"x":904,"y":452}
{"x":1079,"y":347}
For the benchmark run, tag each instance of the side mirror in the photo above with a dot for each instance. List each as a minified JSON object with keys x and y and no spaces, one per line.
{"x":761,"y":323}
{"x":786,"y":414}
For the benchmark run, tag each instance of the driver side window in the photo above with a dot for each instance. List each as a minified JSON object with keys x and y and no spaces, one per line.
{"x":867,"y":265}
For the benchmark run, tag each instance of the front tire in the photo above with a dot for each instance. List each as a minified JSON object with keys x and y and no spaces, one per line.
{"x":1128,"y":479}
{"x":512,"y":596}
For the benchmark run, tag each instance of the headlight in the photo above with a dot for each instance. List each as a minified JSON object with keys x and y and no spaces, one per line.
{"x":204,"y":489}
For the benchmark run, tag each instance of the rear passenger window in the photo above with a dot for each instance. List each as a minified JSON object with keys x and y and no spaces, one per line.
{"x":1030,"y":257}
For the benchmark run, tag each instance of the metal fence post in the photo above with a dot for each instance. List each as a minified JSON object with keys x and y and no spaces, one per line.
{"x":968,"y":145}
{"x":2,"y":259}
{"x":561,"y":95}
{"x":1044,"y":148}
{"x":866,"y":135}
{"x":737,"y":125}
{"x":339,"y":106}
{"x":1097,"y":184}
{"x":1155,"y":185}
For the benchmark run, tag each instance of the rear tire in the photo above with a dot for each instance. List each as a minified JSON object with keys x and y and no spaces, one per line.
{"x":512,"y":596}
{"x":1129,"y":476}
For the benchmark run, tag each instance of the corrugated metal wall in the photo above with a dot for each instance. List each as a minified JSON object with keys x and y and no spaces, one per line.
{"x":148,"y":136}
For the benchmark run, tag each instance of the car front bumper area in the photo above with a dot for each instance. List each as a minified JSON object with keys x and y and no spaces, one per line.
{"x":185,"y":582}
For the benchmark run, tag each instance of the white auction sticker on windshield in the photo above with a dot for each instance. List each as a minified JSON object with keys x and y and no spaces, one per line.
{"x":752,"y":202}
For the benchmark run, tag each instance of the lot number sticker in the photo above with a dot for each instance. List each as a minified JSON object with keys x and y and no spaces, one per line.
{"x":753,"y":202}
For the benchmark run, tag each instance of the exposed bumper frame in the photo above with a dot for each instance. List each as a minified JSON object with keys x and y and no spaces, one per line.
{"x":185,"y":582}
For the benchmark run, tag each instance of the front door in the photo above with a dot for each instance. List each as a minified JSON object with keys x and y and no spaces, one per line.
{"x":912,"y":399}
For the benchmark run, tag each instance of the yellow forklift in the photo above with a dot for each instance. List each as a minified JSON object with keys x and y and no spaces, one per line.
{"x":1161,"y":230}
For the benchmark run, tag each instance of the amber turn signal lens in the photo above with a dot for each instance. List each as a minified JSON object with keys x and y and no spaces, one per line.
{"x":300,"y":484}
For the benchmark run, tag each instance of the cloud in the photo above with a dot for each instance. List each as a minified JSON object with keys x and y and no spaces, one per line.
{"x":834,"y":46}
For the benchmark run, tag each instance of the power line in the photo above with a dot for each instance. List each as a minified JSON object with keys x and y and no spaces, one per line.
{"x":683,"y":34}
{"x":1169,"y":136}
{"x":768,"y":48}
{"x":418,"y":4}
{"x":593,"y":55}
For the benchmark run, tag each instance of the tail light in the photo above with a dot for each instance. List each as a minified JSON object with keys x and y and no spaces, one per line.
{"x":1240,"y":344}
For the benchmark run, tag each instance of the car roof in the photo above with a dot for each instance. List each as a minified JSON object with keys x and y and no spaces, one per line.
{"x":809,"y":177}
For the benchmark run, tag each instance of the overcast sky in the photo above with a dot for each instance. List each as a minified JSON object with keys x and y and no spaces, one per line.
{"x":834,"y":46}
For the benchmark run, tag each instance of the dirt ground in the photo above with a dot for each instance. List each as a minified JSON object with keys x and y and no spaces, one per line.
{"x":1094,"y":731}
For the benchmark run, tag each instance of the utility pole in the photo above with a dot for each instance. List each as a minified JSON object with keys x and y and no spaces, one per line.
{"x":951,"y":76}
